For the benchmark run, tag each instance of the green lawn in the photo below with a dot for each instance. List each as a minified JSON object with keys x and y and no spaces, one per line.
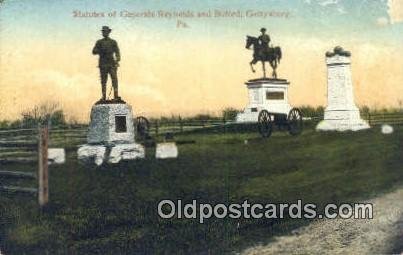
{"x":113,"y":210}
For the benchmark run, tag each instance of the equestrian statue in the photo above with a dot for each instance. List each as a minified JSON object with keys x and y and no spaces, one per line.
{"x":262,"y":52}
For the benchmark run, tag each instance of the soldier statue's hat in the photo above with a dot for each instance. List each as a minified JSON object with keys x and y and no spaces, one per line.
{"x":263,"y":29}
{"x":106,"y":28}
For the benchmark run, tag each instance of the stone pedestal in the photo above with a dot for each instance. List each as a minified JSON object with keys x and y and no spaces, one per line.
{"x":110,"y":124}
{"x":341,"y":113}
{"x":265,"y":94}
{"x":111,"y":135}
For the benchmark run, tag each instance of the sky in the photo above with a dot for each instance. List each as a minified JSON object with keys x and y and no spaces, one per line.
{"x":166,"y":69}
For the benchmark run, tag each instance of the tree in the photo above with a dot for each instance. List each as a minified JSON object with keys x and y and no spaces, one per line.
{"x":43,"y":113}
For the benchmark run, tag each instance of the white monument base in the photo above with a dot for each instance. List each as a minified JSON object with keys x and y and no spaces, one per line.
{"x":265,"y":94}
{"x":342,"y":124}
{"x":126,"y":152}
{"x":99,"y":154}
{"x":247,"y":116}
{"x":166,"y":150}
{"x":111,"y":135}
{"x":91,"y":153}
{"x":56,"y":156}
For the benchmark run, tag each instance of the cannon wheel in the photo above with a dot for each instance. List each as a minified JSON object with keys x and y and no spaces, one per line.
{"x":265,"y":123}
{"x":142,"y":127}
{"x":294,"y":121}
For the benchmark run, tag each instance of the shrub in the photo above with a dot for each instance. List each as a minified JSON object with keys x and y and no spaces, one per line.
{"x":230,"y":113}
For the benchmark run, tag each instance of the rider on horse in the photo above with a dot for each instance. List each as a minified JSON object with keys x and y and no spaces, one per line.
{"x":263,"y":53}
{"x":264,"y":40}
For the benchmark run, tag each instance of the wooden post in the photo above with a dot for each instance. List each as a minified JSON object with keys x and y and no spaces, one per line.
{"x":180,"y":124}
{"x":223,"y":119}
{"x":156,"y":127}
{"x":43,"y":188}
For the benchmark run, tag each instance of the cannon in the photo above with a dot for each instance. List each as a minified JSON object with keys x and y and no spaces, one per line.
{"x":292,"y":122}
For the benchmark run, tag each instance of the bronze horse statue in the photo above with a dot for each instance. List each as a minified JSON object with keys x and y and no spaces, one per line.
{"x":272,"y":55}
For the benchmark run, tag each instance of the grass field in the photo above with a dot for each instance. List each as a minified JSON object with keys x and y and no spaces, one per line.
{"x":113,"y":210}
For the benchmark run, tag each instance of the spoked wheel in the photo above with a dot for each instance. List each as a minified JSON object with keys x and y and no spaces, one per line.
{"x":295,"y":121}
{"x":265,"y":123}
{"x":142,"y":127}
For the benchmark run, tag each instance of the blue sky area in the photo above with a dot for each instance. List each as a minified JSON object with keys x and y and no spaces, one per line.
{"x":308,"y":18}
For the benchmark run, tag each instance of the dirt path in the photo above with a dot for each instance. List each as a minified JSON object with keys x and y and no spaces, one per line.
{"x":381,"y":235}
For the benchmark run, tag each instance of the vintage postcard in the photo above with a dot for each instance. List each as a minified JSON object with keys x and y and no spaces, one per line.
{"x":201,"y":127}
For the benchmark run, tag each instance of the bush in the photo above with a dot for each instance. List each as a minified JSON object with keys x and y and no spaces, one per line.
{"x":57,"y":118}
{"x":310,"y":111}
{"x":4,"y":124}
{"x":230,"y":113}
{"x":202,"y":117}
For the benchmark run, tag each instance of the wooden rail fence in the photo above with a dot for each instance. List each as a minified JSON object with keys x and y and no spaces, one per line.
{"x":42,"y":190}
{"x":395,"y":118}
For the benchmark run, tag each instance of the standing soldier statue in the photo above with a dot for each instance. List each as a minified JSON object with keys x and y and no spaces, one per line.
{"x":109,"y":57}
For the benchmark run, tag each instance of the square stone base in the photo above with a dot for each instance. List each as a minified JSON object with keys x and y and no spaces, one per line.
{"x":247,"y":116}
{"x":265,"y":94}
{"x":251,"y":114}
{"x":56,"y":156}
{"x":111,"y":123}
{"x":126,"y":152}
{"x":99,"y":154}
{"x":166,"y":150}
{"x":342,"y":120}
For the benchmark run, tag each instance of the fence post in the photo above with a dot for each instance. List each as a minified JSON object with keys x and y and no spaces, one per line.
{"x":180,"y":124}
{"x":369,"y":118}
{"x":223,"y":119}
{"x":43,"y":187}
{"x":156,"y":127}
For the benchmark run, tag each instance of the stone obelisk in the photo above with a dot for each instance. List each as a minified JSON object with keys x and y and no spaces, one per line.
{"x":341,"y":113}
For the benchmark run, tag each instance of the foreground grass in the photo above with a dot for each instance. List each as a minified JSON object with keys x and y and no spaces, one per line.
{"x":114,"y":209}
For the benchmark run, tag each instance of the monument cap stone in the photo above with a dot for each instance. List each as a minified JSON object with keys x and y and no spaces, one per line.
{"x":338,"y":50}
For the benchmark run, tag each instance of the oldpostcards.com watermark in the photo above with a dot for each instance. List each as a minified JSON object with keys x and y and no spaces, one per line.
{"x":169,"y":209}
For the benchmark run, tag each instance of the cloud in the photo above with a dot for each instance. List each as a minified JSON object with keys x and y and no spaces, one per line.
{"x":328,"y":2}
{"x":147,"y":92}
{"x":323,"y":3}
{"x":60,"y":79}
{"x":395,"y":11}
{"x":56,"y":83}
{"x":382,"y":21}
{"x":341,"y":10}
